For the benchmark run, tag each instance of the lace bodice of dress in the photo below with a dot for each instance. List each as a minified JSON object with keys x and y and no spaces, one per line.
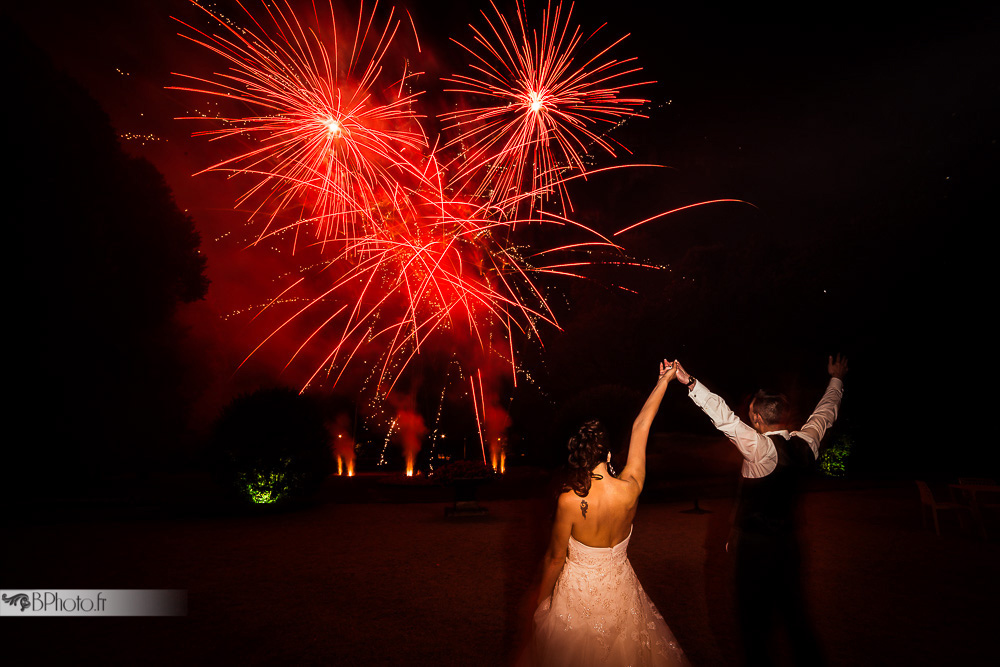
{"x":602,"y":557}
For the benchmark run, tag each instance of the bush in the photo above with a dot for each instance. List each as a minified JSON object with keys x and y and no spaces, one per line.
{"x":271,"y":446}
{"x":833,"y":460}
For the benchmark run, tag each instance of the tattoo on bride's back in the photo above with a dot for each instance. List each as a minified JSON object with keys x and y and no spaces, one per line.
{"x":583,"y":508}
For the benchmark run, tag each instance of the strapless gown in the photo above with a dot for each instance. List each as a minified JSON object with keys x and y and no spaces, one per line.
{"x":599,"y":615}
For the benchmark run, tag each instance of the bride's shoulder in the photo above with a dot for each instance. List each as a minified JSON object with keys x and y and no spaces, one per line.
{"x":568,"y":503}
{"x":626,"y":488}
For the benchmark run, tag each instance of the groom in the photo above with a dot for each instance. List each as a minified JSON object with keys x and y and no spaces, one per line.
{"x":768,"y":581}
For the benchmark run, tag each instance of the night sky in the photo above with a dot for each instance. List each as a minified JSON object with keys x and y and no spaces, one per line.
{"x":865,"y":142}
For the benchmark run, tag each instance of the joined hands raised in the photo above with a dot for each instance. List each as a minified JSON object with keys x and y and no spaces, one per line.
{"x":668,"y":370}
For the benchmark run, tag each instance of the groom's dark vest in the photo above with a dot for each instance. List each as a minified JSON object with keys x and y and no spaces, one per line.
{"x":768,"y":505}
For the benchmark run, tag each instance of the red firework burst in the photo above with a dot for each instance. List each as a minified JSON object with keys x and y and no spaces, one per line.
{"x":326,"y":130}
{"x":442,"y":266}
{"x":541,"y":110}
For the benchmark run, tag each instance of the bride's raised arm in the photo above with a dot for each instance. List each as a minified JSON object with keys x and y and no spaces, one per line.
{"x":635,"y":467}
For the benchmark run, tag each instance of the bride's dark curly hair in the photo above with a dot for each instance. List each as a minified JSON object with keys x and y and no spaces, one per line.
{"x":587,"y":448}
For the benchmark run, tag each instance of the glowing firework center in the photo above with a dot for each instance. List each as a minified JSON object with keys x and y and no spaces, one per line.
{"x":536,"y":102}
{"x":334,"y":129}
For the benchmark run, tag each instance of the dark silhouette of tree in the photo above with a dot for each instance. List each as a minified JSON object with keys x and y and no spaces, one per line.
{"x":107,"y":258}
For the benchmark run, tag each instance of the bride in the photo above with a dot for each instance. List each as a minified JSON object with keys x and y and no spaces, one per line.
{"x":592,"y":609}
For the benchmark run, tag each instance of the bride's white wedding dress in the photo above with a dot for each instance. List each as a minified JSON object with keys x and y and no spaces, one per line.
{"x":599,"y":615}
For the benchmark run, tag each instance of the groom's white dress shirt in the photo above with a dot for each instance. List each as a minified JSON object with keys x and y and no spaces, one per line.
{"x":759,"y":455}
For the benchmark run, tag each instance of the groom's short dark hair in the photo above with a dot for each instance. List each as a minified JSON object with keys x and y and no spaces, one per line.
{"x":770,"y":406}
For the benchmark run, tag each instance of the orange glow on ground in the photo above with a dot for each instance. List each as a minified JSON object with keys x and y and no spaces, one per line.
{"x":498,"y":459}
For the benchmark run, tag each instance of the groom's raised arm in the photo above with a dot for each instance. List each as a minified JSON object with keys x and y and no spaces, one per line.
{"x":825,"y":414}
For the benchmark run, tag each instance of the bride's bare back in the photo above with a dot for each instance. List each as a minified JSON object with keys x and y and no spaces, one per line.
{"x":602,"y":518}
